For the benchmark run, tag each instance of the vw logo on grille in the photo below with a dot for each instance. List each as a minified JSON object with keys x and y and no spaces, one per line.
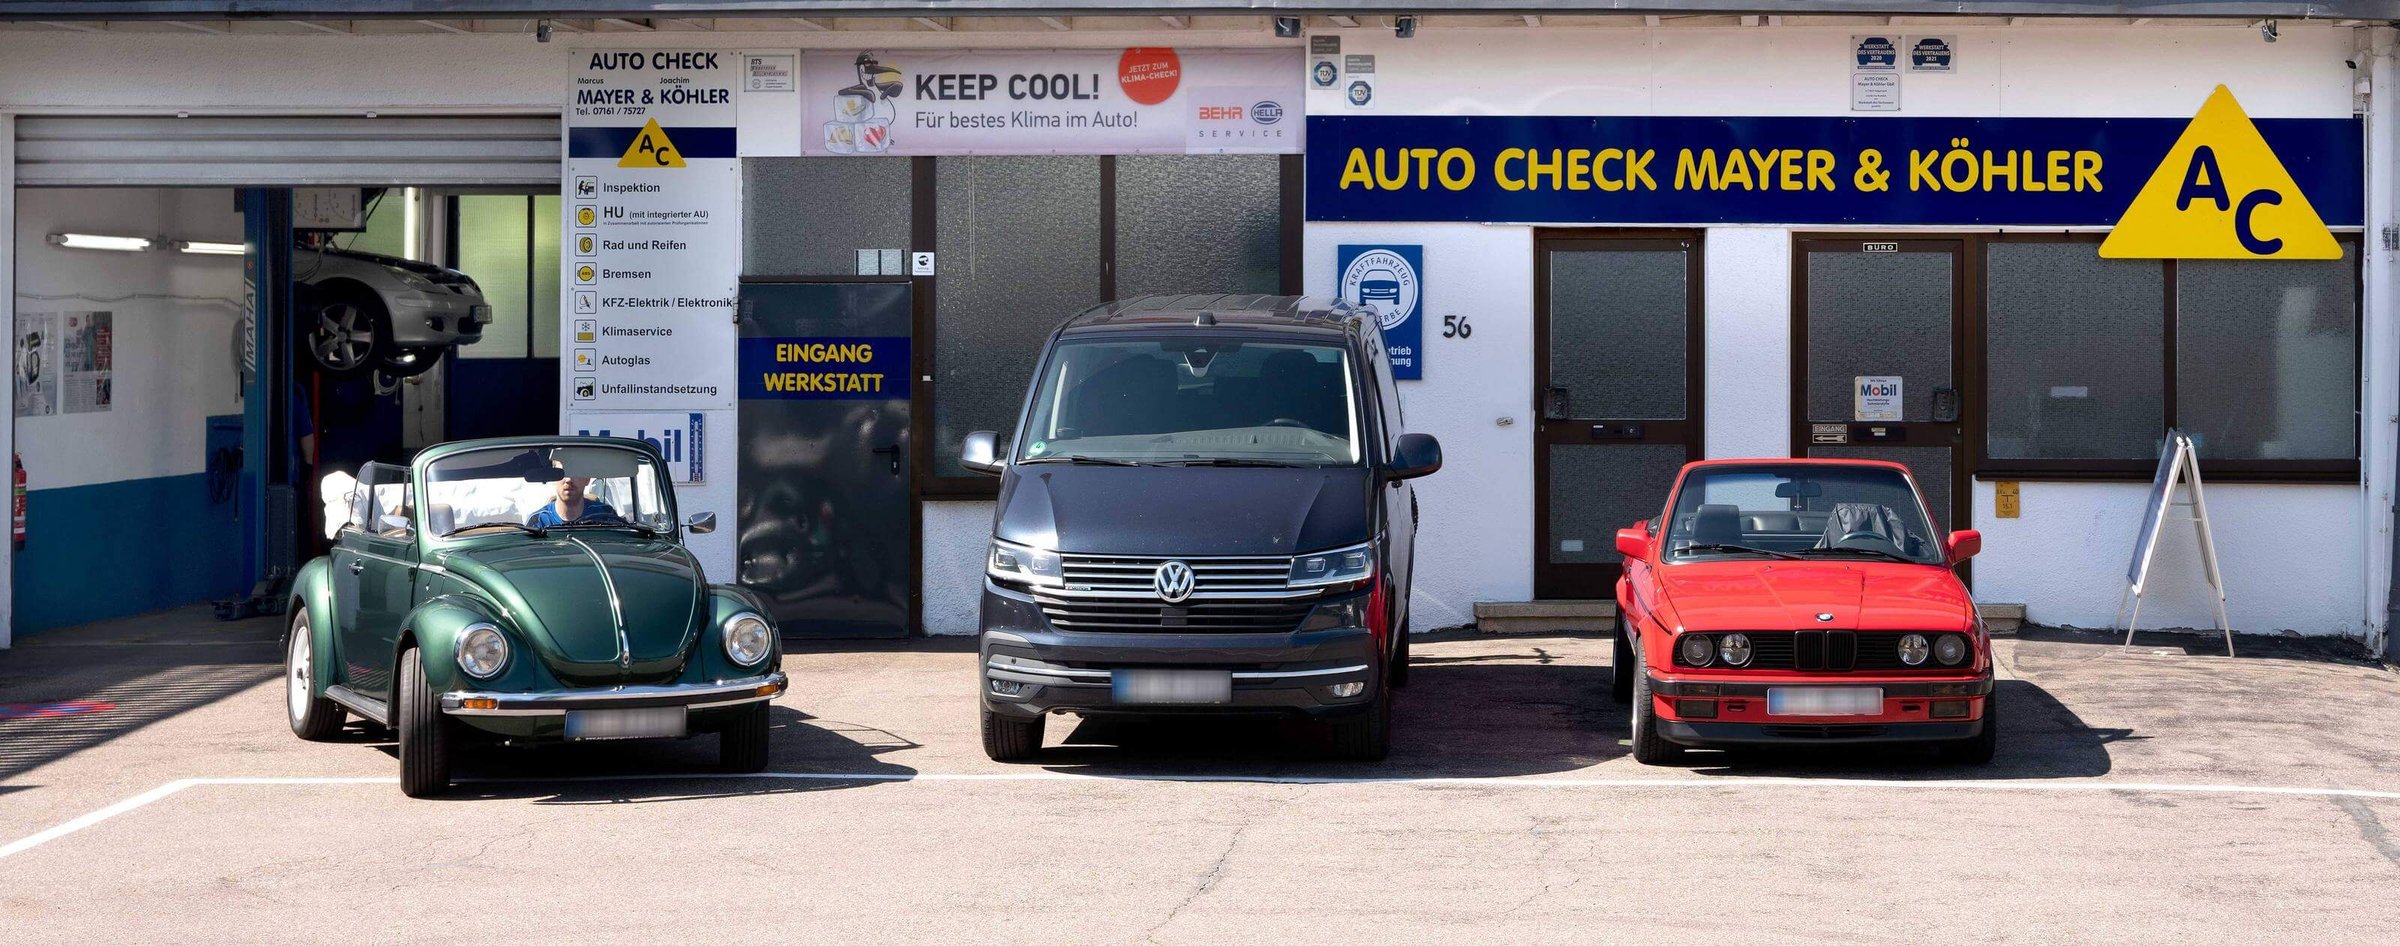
{"x":1173,"y":581}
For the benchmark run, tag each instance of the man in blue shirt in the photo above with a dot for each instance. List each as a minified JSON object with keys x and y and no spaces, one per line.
{"x":569,"y":505}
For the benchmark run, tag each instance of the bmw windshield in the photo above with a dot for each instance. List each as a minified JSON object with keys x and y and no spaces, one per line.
{"x":1194,"y":401}
{"x":1819,"y":512}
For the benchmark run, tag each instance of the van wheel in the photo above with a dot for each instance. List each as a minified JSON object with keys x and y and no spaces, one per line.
{"x":313,"y":717}
{"x":1649,"y":748}
{"x":1009,"y":739}
{"x":742,"y":744}
{"x":1367,"y":735}
{"x":424,"y":732}
{"x":1620,"y":669}
{"x":1400,"y":658}
{"x":1980,"y":749}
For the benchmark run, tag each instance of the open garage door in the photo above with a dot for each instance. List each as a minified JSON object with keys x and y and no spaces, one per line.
{"x":225,"y":151}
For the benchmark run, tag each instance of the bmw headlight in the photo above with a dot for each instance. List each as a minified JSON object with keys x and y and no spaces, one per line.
{"x":482,"y":651}
{"x":1734,"y":649}
{"x":1698,"y":650}
{"x":1913,"y":649}
{"x":1025,"y":564}
{"x":1338,"y":567}
{"x":1950,"y":649}
{"x":748,"y":637}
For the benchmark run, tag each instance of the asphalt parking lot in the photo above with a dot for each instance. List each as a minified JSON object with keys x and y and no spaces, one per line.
{"x":2158,"y":794}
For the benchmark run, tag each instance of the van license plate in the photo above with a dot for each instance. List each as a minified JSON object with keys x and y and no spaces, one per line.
{"x":1824,"y":701}
{"x":650,"y":723}
{"x":1188,"y":687}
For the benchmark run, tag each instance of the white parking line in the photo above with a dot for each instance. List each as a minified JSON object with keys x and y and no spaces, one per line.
{"x":63,"y":829}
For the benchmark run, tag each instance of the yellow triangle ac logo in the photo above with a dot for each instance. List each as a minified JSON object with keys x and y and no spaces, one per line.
{"x":2220,"y":194}
{"x":651,"y":149}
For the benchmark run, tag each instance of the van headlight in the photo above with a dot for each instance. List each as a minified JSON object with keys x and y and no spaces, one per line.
{"x":1338,"y":567}
{"x":1025,"y":564}
{"x":482,"y":651}
{"x":748,"y":637}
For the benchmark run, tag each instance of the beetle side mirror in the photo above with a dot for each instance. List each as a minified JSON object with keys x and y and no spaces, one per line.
{"x":1633,"y":542}
{"x":980,"y":452}
{"x":1414,"y":455}
{"x":701,"y":523}
{"x":1963,"y":545}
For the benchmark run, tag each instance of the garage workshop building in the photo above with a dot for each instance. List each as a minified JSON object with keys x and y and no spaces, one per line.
{"x":806,"y":247}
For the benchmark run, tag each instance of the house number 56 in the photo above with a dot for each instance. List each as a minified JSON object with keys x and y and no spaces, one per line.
{"x":1455,"y":326}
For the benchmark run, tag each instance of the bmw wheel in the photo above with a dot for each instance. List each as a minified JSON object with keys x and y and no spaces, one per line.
{"x":1649,"y":748}
{"x":1620,"y":668}
{"x":424,"y":731}
{"x":313,"y":717}
{"x":1979,"y":749}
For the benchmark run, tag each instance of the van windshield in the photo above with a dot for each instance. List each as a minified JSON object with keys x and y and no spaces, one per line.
{"x":1195,"y":400}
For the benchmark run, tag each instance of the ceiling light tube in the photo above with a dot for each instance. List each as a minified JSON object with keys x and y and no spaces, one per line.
{"x":91,"y":241}
{"x":206,"y":248}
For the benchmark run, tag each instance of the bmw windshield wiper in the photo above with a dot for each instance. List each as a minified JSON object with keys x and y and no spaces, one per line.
{"x":1080,"y":458}
{"x":1855,"y":550}
{"x":1720,"y":547}
{"x":519,"y":526}
{"x":1236,"y":461}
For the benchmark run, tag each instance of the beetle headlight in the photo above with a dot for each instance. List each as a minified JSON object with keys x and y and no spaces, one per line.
{"x":748,"y":637}
{"x":1025,"y":564}
{"x":1913,"y":649}
{"x":1698,"y":650}
{"x":482,"y":651}
{"x":1950,"y":649}
{"x":1734,"y":649}
{"x":1337,"y":567}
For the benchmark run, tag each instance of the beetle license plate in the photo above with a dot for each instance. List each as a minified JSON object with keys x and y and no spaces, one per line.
{"x":1824,"y":701}
{"x":1172,"y":686}
{"x":649,"y":723}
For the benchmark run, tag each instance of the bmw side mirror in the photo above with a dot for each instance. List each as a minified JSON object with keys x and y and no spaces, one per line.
{"x":1415,"y":455}
{"x":1634,"y":543}
{"x":701,"y":523}
{"x":980,"y":452}
{"x":1963,"y":545}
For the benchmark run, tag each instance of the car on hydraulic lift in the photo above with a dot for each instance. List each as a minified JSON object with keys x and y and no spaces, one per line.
{"x":1800,"y":602}
{"x":367,"y":311}
{"x":520,"y":590}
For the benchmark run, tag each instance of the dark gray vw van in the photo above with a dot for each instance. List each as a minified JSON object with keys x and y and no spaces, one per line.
{"x":1205,"y":508}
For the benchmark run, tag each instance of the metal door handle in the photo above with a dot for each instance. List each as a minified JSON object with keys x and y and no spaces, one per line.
{"x":356,"y":567}
{"x":894,"y":450}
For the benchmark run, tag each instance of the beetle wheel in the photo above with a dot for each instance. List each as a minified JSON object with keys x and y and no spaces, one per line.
{"x":313,"y":717}
{"x":424,"y":731}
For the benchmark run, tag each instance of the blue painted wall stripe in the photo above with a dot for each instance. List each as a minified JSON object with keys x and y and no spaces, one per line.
{"x":115,"y":549}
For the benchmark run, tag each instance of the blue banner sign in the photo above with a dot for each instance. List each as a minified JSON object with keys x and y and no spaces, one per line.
{"x":865,"y":368}
{"x":1796,"y":170}
{"x":1389,"y":280}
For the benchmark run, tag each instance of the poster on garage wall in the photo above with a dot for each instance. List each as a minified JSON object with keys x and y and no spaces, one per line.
{"x":34,"y":363}
{"x":654,"y":225}
{"x":87,"y":347}
{"x":1144,"y":100}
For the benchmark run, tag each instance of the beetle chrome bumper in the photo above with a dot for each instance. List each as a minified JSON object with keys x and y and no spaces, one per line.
{"x":690,"y":696}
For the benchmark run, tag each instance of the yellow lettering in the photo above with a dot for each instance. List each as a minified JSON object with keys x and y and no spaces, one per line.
{"x":1500,"y":169}
{"x":1355,"y":169}
{"x":1695,"y":173}
{"x":2087,"y":169}
{"x":1579,"y":170}
{"x":1637,"y":170}
{"x":1536,"y":167}
{"x":1600,"y":176}
{"x":1457,"y":169}
{"x":1820,"y":169}
{"x":1399,"y":178}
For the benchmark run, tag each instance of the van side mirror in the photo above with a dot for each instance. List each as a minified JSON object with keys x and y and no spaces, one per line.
{"x":980,"y":452}
{"x":701,"y":523}
{"x":1634,"y":543}
{"x":1415,"y":455}
{"x":1963,"y":545}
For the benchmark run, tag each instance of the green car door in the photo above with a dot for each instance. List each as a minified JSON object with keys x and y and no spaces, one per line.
{"x":375,"y":573}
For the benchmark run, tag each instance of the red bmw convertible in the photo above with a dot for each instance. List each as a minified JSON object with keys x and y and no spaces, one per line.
{"x":1800,"y":602}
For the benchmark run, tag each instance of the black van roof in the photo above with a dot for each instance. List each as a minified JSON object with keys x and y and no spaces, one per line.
{"x":1225,"y":309}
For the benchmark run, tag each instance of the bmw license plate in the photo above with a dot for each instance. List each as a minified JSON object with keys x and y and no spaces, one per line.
{"x":1824,"y":701}
{"x":1188,"y":687}
{"x":648,"y":723}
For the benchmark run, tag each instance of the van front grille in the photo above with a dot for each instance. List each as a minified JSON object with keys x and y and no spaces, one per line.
{"x":1248,"y":594}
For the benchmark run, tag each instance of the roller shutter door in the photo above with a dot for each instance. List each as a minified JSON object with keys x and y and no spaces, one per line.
{"x":217,"y":151}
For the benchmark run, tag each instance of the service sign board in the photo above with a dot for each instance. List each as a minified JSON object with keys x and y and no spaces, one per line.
{"x":1150,"y":100}
{"x":680,"y":438}
{"x":654,"y":238}
{"x":1897,"y":171}
{"x":1388,"y":278}
{"x":851,"y":368}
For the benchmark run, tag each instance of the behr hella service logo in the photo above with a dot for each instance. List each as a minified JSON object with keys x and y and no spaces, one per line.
{"x":1267,"y":112}
{"x":1384,"y":281}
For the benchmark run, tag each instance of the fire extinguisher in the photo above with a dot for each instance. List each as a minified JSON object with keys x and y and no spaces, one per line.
{"x":16,"y":516}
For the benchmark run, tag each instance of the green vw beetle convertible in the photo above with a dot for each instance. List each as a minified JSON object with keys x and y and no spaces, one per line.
{"x":525,"y":590}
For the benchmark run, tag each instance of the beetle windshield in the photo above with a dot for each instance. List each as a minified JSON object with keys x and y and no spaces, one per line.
{"x":1195,"y":400}
{"x":552,"y":486}
{"x":1813,"y":511}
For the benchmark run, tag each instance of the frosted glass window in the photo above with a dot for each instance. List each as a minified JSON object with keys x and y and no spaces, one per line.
{"x":1018,"y":252}
{"x":492,"y":250}
{"x":1876,"y":315}
{"x":1199,"y":223}
{"x":811,"y":216}
{"x":1597,"y":489}
{"x":1618,"y":321}
{"x":2075,"y":353}
{"x":2266,"y":357}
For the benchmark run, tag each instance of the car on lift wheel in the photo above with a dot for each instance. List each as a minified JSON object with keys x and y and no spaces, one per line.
{"x":1011,"y":740}
{"x":424,"y":731}
{"x":313,"y":717}
{"x":742,"y":744}
{"x":350,"y":333}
